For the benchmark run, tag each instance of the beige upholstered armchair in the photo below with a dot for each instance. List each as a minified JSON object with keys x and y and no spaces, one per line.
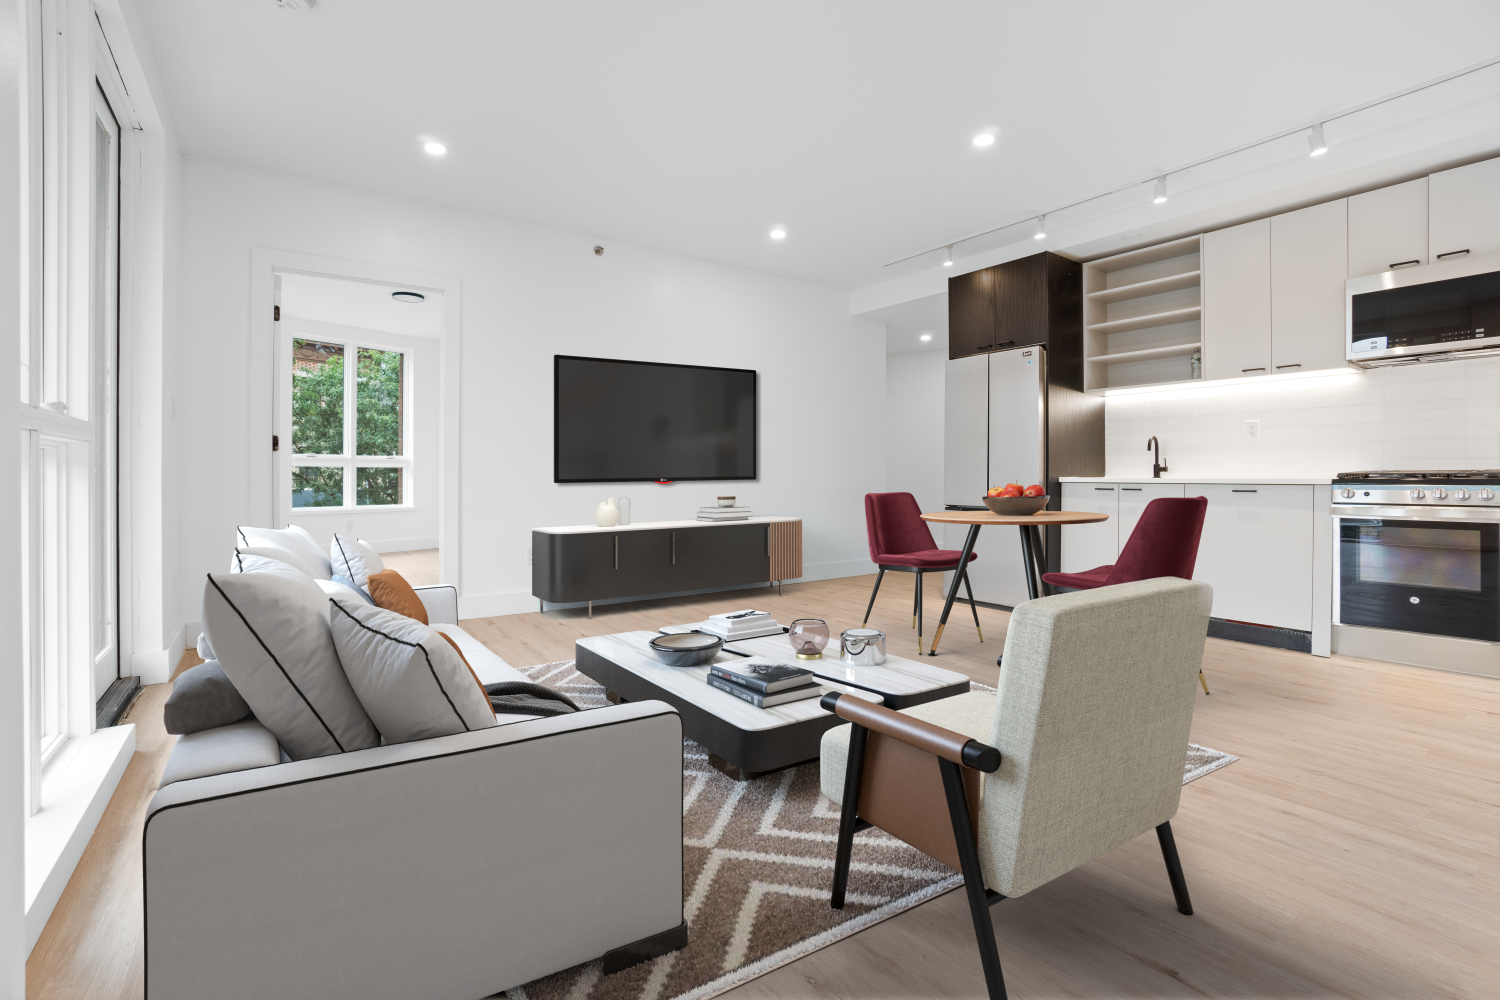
{"x":1080,"y":750}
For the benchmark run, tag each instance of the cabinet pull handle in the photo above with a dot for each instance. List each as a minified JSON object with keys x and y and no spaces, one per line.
{"x":1244,"y":491}
{"x":1452,"y":253}
{"x":1403,"y":263}
{"x":1252,"y":369}
{"x":1105,"y":489}
{"x":1131,"y":489}
{"x":1297,"y":365}
{"x":674,"y":548}
{"x":617,"y":552}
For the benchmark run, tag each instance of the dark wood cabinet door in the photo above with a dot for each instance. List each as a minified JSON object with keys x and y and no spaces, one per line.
{"x":1021,"y":302}
{"x":971,"y":313}
{"x":572,"y":567}
{"x":645,"y":563}
{"x":722,"y":555}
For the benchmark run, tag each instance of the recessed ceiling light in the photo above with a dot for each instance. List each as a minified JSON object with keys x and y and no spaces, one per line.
{"x":926,"y":336}
{"x":984,"y":139}
{"x":434,"y":148}
{"x":409,"y":297}
{"x":1316,"y":144}
{"x":778,"y":233}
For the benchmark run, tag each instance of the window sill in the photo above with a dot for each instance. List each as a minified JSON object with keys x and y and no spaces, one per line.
{"x":371,"y":509}
{"x":76,"y":788}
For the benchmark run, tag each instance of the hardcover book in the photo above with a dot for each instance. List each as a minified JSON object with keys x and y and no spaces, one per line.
{"x":762,"y":676}
{"x":764,"y":700}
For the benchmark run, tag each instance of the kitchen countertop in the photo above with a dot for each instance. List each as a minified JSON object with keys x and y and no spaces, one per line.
{"x":1209,"y":480}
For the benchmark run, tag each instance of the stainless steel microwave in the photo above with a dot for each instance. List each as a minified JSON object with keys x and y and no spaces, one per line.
{"x":1417,"y":315}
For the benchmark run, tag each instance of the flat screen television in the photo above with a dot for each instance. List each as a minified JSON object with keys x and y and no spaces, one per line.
{"x":643,"y":421}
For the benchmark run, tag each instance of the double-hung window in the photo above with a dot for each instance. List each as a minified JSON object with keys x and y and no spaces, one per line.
{"x":350,"y":424}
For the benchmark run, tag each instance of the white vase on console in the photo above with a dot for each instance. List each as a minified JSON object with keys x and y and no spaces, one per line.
{"x":607,"y":515}
{"x":623,"y":503}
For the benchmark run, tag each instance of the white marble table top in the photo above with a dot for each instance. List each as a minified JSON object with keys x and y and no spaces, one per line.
{"x":629,"y":651}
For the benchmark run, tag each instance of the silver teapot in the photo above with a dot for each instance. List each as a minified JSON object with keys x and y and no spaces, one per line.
{"x":862,"y":647}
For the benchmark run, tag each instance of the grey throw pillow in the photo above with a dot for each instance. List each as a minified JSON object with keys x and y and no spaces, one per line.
{"x":271,"y":633}
{"x":203,"y":698}
{"x":408,"y":676}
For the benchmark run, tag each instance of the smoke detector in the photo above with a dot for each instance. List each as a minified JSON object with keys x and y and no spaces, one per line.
{"x":295,"y":6}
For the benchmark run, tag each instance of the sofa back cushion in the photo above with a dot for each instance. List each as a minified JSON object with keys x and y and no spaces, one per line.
{"x":268,"y":559}
{"x":202,"y":697}
{"x":409,"y":678}
{"x":354,"y":559}
{"x":295,"y":540}
{"x":272,"y":637}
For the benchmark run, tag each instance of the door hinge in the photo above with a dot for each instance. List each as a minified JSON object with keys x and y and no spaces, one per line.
{"x":275,"y":442}
{"x":276,"y":314}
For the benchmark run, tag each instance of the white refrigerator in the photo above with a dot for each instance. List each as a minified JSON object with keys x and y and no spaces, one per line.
{"x":994,"y":432}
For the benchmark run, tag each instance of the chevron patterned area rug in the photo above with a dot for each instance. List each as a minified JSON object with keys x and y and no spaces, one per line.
{"x":757,"y":871}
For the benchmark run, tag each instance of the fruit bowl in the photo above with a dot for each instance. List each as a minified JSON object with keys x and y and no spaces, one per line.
{"x":1015,"y":506}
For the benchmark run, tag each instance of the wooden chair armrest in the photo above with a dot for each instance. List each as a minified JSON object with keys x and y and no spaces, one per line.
{"x":936,"y":740}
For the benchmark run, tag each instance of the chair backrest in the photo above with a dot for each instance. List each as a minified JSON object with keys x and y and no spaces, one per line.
{"x":1092,"y":719}
{"x":894,"y":522}
{"x":1164,"y":542}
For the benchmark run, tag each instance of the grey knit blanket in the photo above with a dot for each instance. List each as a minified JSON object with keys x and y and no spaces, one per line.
{"x":526,"y":698}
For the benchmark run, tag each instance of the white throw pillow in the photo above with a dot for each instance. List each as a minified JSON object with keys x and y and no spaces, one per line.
{"x":412,"y":682}
{"x":355,"y":559}
{"x":336,"y":590}
{"x":295,"y":540}
{"x":271,"y":634}
{"x":268,"y":559}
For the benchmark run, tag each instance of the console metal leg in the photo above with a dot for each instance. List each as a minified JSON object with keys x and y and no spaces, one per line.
{"x":591,"y":609}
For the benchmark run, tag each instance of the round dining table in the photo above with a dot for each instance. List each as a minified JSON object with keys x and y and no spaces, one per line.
{"x":1032,"y":556}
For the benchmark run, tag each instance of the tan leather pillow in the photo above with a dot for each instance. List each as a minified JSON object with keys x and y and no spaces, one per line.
{"x":472,"y":674}
{"x":390,"y":592}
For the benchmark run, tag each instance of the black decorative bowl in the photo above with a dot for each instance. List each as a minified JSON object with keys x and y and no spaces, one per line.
{"x":686,"y":649}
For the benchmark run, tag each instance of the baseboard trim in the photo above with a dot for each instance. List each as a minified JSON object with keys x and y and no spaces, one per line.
{"x":1436,"y":652}
{"x":403,"y":544}
{"x":1260,"y":635}
{"x":520,"y":602}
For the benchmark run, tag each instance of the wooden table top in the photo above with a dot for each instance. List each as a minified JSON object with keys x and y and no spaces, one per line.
{"x":1041,"y":517}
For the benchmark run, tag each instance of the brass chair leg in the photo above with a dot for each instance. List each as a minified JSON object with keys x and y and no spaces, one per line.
{"x":1203,"y":681}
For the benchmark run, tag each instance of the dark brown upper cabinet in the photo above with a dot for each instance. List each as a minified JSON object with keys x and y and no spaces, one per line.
{"x":1034,"y":300}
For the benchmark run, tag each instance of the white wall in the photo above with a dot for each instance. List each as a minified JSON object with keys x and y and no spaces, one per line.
{"x":914,"y":426}
{"x":1435,"y":416}
{"x":528,"y":293}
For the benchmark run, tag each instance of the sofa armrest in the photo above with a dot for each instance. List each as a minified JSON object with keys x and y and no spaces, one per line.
{"x":446,"y":868}
{"x":441,"y":602}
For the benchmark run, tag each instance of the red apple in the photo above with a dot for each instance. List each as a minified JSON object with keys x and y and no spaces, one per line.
{"x":1034,"y":491}
{"x":1010,"y":491}
{"x":994,"y":491}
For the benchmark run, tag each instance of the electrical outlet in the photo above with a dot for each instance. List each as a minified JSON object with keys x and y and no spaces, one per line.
{"x":1252,"y":429}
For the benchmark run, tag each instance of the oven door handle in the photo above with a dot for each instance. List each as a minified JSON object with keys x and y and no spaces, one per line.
{"x":1479,"y":514}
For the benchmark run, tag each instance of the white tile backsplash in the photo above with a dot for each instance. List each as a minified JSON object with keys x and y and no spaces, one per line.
{"x":1437,"y":416}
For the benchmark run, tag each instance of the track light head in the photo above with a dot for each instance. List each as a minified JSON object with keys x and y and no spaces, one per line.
{"x":1039,"y":231}
{"x":1316,"y":144}
{"x":948,"y":257}
{"x":1161,"y":190}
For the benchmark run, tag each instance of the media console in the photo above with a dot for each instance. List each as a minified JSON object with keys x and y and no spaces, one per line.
{"x":586,"y":563}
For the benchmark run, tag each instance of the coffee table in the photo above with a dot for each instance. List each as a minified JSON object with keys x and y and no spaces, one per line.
{"x":744,"y":741}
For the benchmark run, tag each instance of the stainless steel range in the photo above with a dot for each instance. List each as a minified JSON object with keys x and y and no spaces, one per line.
{"x":1418,"y":552}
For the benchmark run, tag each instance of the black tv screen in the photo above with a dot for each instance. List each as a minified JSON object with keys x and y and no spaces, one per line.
{"x":634,"y":421}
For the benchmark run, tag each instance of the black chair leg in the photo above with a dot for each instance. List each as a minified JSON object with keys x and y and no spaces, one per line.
{"x":968,"y":856}
{"x":854,"y":773}
{"x":878,"y":577}
{"x":1174,"y":868}
{"x":974,"y":608}
{"x":919,"y":612}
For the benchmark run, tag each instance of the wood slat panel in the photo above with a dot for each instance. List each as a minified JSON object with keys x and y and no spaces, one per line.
{"x":786,"y":549}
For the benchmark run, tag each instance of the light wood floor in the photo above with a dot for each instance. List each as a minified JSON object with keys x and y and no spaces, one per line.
{"x":418,"y":567}
{"x":1353,"y":851}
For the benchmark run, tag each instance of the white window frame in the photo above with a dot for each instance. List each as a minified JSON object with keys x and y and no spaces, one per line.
{"x":348,"y":461}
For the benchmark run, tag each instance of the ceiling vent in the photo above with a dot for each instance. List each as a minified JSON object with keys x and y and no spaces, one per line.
{"x":295,"y":6}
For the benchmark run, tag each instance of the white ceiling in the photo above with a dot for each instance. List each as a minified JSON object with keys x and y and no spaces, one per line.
{"x":362,"y":304}
{"x":694,"y":128}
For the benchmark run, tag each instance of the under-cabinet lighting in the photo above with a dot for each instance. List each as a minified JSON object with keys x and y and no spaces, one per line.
{"x":1195,"y":388}
{"x":1316,"y":144}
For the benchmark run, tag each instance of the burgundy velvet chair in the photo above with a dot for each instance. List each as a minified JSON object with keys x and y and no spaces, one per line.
{"x":901,"y":541}
{"x":1164,"y":543}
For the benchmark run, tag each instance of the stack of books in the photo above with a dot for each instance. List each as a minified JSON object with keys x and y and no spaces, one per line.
{"x":763,"y":683}
{"x":723,"y":513}
{"x":749,"y":624}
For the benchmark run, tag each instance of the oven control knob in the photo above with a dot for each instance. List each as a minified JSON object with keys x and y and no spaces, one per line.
{"x":1417,"y":494}
{"x":1439,"y":494}
{"x":1346,"y":493}
{"x":1460,"y":494}
{"x":1486,"y":494}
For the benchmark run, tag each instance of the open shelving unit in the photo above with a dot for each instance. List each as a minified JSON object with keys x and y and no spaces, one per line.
{"x":1143,"y":316}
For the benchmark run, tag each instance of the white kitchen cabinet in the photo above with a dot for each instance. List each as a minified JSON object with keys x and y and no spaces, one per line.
{"x":1463,"y":211}
{"x":1133,"y":500}
{"x":1387,"y":228}
{"x":1237,"y":301}
{"x":1085,"y":546}
{"x":1257,"y":553}
{"x":1309,"y":265}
